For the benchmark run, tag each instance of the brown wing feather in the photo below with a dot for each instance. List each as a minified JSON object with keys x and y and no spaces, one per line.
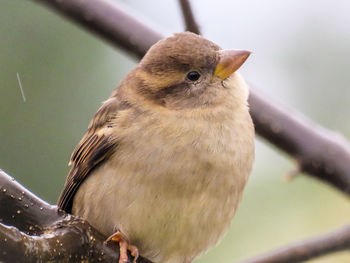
{"x":97,"y":145}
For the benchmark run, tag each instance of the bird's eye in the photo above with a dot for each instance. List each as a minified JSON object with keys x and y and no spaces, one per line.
{"x":193,"y":76}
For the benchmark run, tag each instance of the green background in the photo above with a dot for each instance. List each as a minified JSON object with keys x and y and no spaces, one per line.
{"x":301,"y":58}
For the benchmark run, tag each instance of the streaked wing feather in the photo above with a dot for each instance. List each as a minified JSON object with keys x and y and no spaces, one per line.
{"x":97,"y":145}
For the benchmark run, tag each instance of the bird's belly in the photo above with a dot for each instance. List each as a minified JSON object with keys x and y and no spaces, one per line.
{"x":172,"y":204}
{"x":161,"y":220}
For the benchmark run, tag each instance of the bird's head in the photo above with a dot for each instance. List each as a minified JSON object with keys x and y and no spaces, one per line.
{"x":187,"y":71}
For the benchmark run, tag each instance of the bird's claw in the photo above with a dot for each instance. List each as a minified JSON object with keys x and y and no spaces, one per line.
{"x":124,"y":247}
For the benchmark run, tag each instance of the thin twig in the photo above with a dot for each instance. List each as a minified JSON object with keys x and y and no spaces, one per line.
{"x":190,"y":21}
{"x":319,"y":152}
{"x":338,"y":240}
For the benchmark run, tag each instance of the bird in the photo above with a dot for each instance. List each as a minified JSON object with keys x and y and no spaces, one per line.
{"x":162,"y":166}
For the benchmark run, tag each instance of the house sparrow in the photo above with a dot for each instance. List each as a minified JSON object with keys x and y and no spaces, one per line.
{"x":163,"y":164}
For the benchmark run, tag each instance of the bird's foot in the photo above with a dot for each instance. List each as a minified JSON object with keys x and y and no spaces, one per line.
{"x":124,"y":247}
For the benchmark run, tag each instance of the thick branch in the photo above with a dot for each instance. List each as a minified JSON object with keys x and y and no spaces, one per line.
{"x":190,"y":21}
{"x":41,"y":233}
{"x":335,"y":241}
{"x":70,"y":240}
{"x":106,"y":19}
{"x":319,"y":152}
{"x":22,"y":209}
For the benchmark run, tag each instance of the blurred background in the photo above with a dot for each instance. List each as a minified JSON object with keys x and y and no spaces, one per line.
{"x":301,"y":59}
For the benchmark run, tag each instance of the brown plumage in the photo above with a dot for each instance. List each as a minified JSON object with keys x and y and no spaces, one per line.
{"x":166,"y":157}
{"x":96,"y":146}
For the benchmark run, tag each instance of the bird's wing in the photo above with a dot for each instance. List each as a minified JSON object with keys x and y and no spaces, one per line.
{"x":97,"y":145}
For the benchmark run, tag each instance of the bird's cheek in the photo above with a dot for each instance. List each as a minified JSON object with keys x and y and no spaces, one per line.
{"x":194,"y":88}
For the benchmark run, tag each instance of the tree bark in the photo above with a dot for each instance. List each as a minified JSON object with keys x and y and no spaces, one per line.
{"x":33,"y":231}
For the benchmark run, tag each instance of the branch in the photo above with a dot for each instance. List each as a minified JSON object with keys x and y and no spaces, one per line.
{"x":22,"y":209}
{"x":319,"y":152}
{"x":338,"y":240}
{"x":71,"y":239}
{"x":41,"y":233}
{"x":190,"y":21}
{"x":107,"y":20}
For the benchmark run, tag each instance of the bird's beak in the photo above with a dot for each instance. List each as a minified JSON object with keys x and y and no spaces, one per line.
{"x":229,"y":62}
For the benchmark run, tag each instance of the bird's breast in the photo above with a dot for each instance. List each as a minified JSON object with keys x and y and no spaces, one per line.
{"x":173,"y":177}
